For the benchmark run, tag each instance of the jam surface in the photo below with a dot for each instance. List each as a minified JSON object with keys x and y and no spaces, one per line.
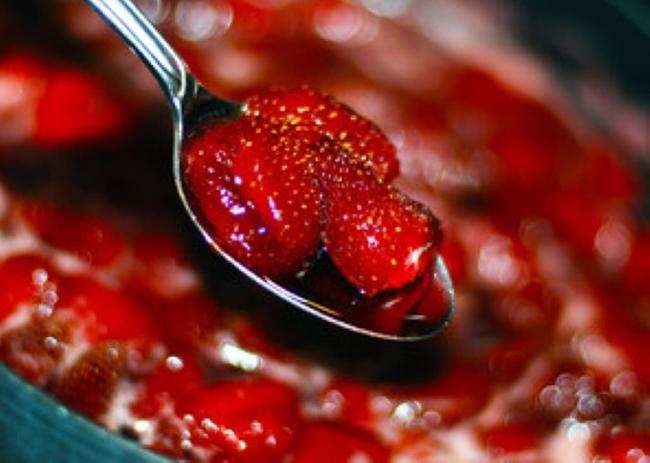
{"x":105,"y":304}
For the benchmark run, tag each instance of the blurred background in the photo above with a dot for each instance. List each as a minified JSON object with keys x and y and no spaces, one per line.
{"x":524,"y":125}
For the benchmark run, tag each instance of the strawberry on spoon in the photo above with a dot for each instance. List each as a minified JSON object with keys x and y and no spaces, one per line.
{"x":275,"y":181}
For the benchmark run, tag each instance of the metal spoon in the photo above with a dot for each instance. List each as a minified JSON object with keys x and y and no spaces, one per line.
{"x":190,"y":103}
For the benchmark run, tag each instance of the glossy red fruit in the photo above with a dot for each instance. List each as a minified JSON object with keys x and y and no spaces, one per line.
{"x":17,"y":284}
{"x":378,"y":238}
{"x":273,"y":171}
{"x":34,"y":350}
{"x":91,"y":238}
{"x":105,"y":313}
{"x":250,"y":419}
{"x":325,"y":442}
{"x":88,"y":385}
{"x":74,"y":107}
{"x":421,"y":297}
{"x":233,"y":219}
{"x":174,"y":381}
{"x":310,"y":114}
{"x":299,"y":167}
{"x":188,"y":320}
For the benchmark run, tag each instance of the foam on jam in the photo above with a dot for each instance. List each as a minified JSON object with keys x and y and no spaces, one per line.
{"x":299,"y":169}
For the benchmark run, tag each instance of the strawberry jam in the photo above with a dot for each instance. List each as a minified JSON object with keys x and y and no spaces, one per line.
{"x":297,"y":169}
{"x":109,"y":304}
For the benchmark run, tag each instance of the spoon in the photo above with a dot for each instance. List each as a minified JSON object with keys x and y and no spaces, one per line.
{"x":190,"y":105}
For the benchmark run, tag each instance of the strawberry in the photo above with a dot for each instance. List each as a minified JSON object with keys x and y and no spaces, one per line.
{"x":17,"y":281}
{"x":92,"y":238}
{"x":309,"y":112}
{"x":105,"y":313}
{"x":299,"y":167}
{"x":89,"y":384}
{"x":34,"y":350}
{"x":324,"y":442}
{"x":250,"y":419}
{"x":273,"y":170}
{"x":76,"y":106}
{"x":188,"y":320}
{"x":174,"y":380}
{"x":57,"y":104}
{"x":233,"y":218}
{"x":378,"y":238}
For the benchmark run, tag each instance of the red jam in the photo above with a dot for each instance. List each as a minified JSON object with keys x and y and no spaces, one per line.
{"x":297,"y":169}
{"x":101,"y":306}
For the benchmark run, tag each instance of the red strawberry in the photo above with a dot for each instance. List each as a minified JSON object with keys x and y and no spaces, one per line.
{"x":90,"y":237}
{"x":233,"y":219}
{"x":105,"y":313}
{"x":34,"y":350}
{"x":310,"y":112}
{"x":324,"y":442}
{"x":88,"y":385}
{"x":273,"y":169}
{"x":299,"y":166}
{"x":378,"y":238}
{"x":76,"y":106}
{"x":188,"y":320}
{"x":249,"y":419}
{"x":17,"y":281}
{"x":175,"y":379}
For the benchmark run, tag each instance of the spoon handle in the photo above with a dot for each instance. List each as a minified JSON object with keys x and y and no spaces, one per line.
{"x":148,"y":44}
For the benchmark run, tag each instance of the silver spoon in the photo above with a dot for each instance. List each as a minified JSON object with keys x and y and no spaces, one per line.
{"x":190,"y":103}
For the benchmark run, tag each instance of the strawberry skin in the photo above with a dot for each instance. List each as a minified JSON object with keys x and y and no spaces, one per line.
{"x":378,"y":238}
{"x":308,"y":111}
{"x":88,"y":385}
{"x":233,"y":218}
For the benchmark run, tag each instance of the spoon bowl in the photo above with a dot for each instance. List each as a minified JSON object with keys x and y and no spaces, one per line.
{"x":192,"y":106}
